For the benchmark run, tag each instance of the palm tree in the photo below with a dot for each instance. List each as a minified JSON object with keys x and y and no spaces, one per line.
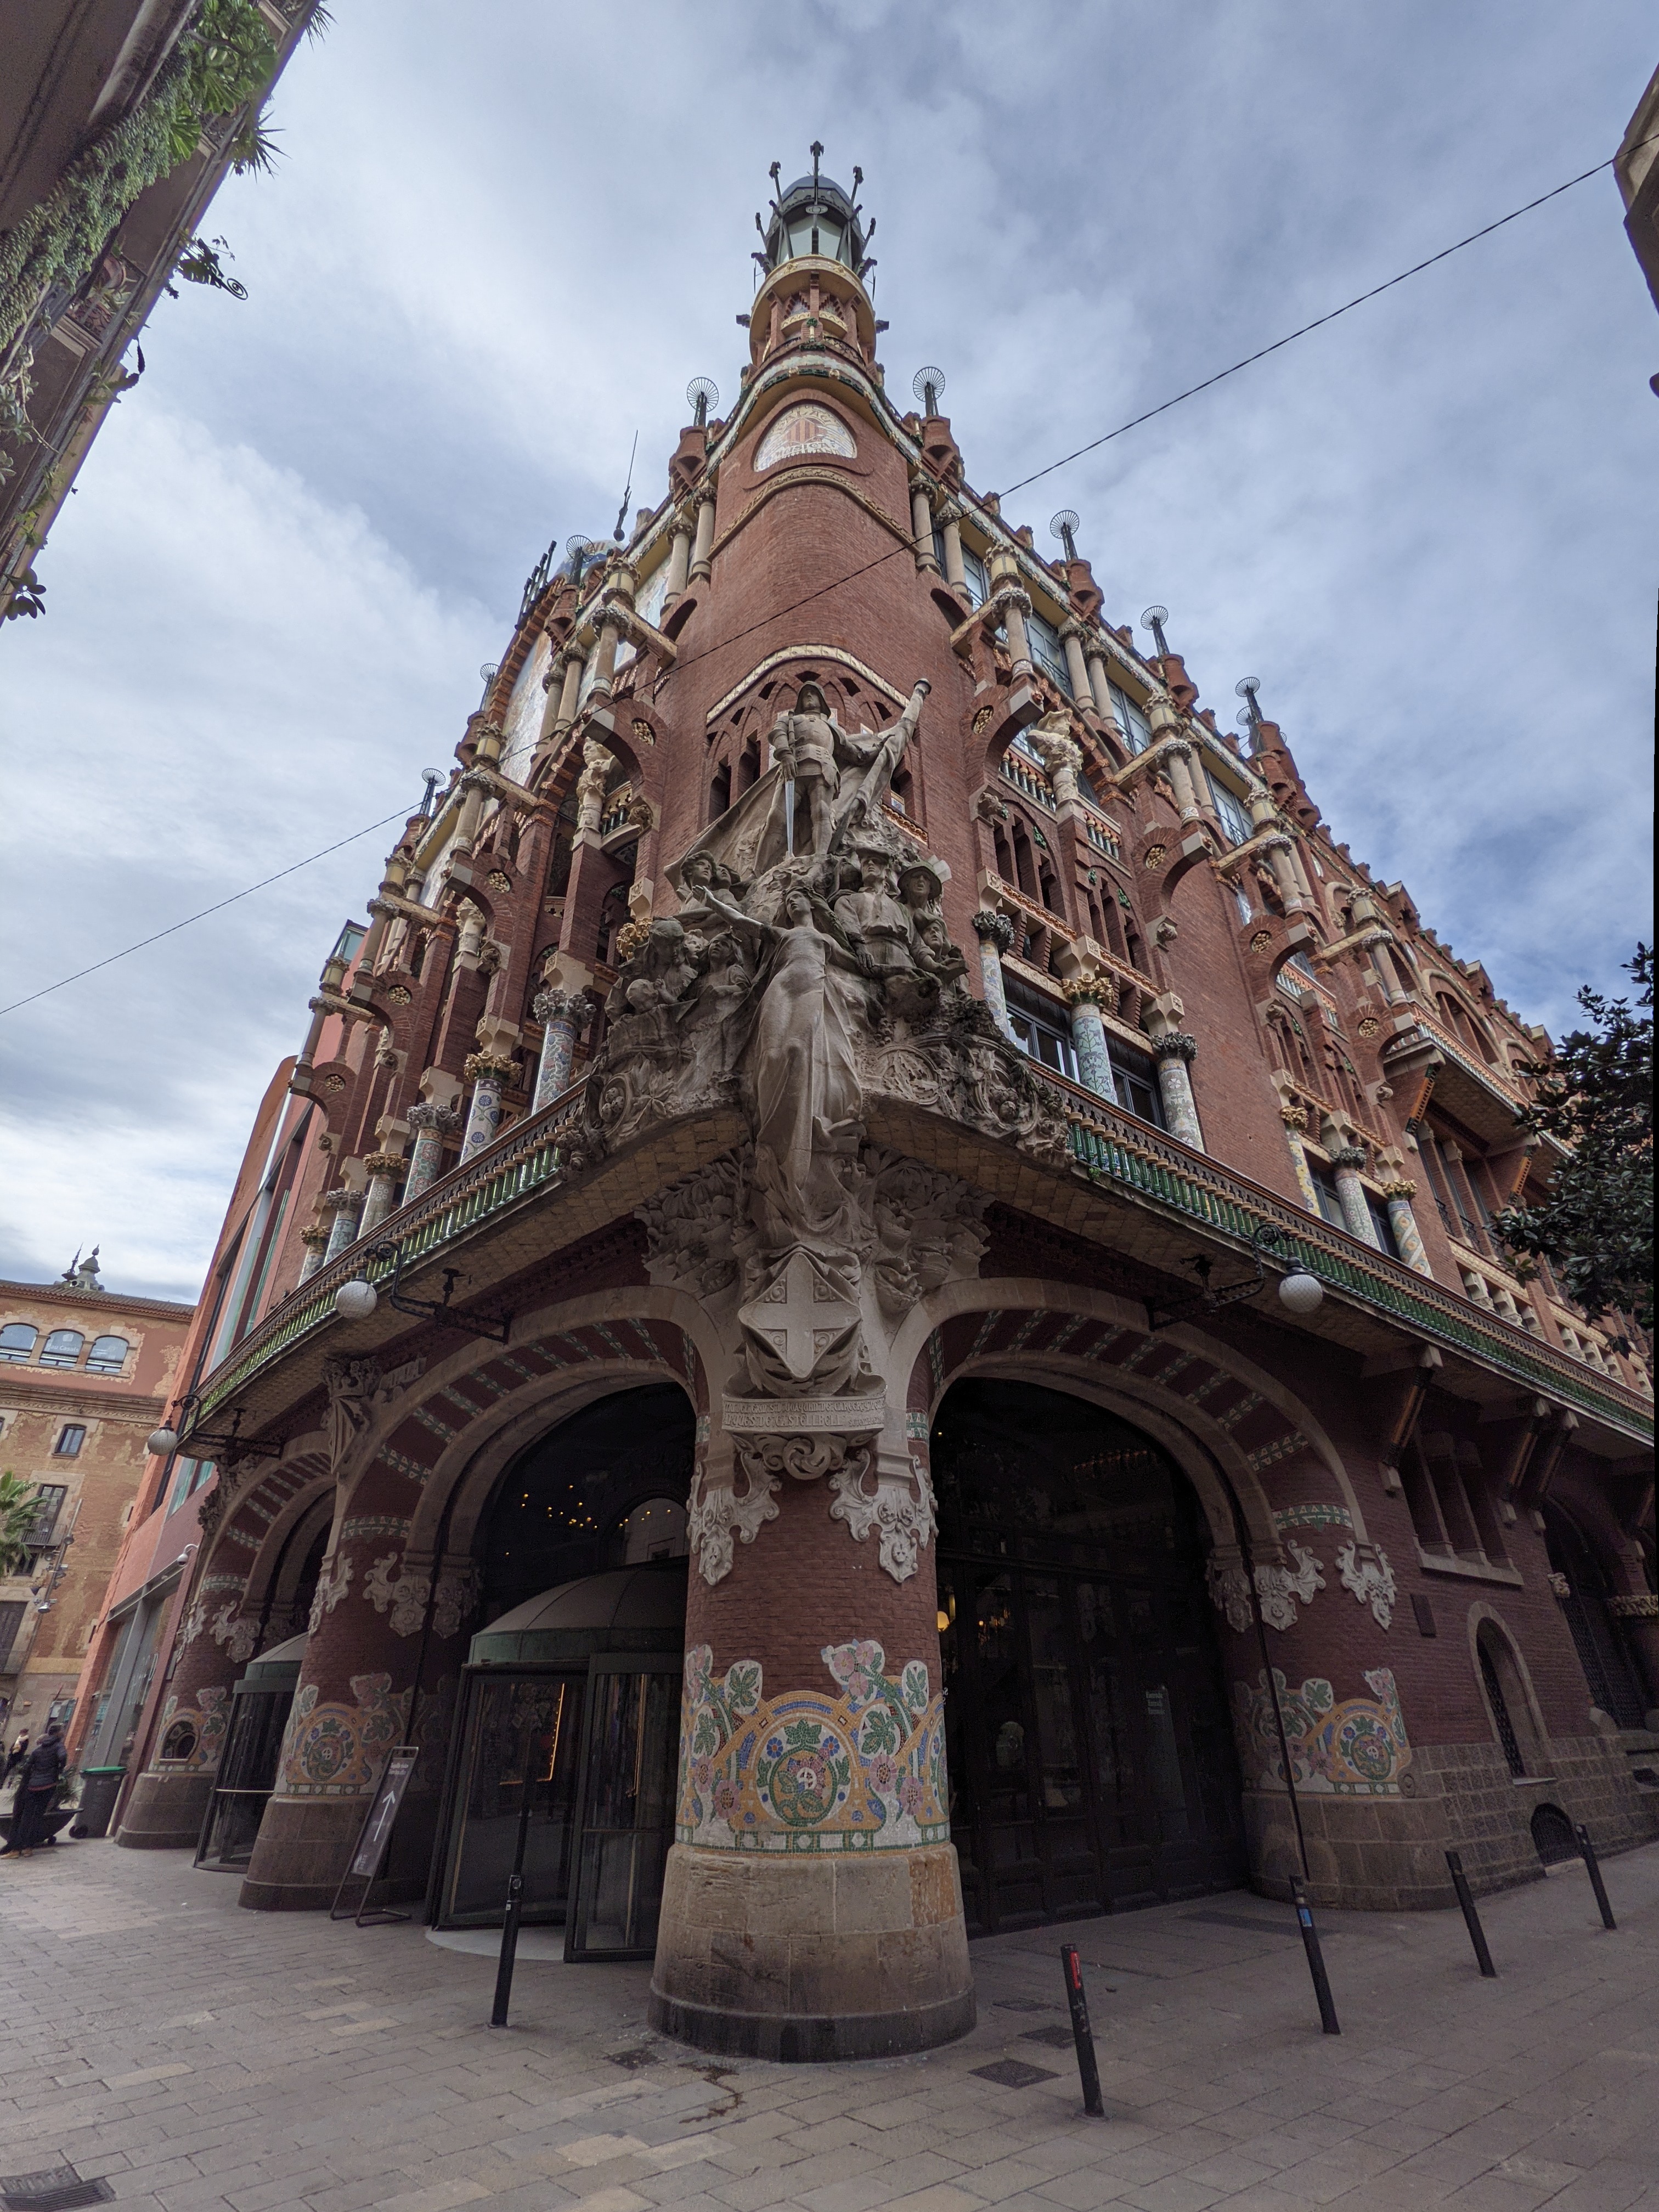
{"x":20,"y":1507}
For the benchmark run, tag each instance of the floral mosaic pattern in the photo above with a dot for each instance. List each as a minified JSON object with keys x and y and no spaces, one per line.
{"x":1357,"y":1749}
{"x":335,"y":1750}
{"x":204,"y":1719}
{"x":862,"y":1769}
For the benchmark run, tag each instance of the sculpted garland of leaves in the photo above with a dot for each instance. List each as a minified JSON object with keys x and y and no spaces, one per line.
{"x":222,"y":62}
{"x":1595,"y":1096}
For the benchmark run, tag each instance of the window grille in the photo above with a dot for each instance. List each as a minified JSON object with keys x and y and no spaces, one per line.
{"x":1500,"y":1711}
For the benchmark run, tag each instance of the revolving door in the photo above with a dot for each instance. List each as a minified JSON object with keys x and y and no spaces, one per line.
{"x":578,"y":1746}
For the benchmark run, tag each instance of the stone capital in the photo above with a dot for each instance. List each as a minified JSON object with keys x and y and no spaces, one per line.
{"x":1175,"y":1044}
{"x":992,"y":928}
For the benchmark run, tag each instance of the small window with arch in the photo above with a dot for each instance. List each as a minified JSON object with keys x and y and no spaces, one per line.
{"x":108,"y":1355}
{"x":17,"y":1342}
{"x":62,"y":1348}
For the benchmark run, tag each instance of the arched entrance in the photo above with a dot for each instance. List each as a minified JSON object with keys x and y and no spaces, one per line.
{"x":1091,"y":1761}
{"x":569,"y":1721}
{"x":1610,"y":1668}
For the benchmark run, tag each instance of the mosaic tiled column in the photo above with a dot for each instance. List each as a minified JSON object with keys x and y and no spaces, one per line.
{"x":383,"y":1171}
{"x":350,"y":1706}
{"x":561,"y":1014}
{"x":995,"y":933}
{"x":811,"y":1904}
{"x":216,"y":1637}
{"x":315,"y":1241}
{"x":488,"y":1072}
{"x":1174,"y":1052}
{"x":346,"y":1205}
{"x":1296,"y":1120}
{"x":1351,"y":1194}
{"x":431,"y":1125}
{"x":1094,"y":1065}
{"x":1398,"y":1197}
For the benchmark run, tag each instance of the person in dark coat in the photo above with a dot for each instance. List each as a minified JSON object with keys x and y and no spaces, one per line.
{"x":37,"y":1788}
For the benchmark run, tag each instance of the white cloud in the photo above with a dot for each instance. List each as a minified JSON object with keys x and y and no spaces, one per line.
{"x":501,"y":241}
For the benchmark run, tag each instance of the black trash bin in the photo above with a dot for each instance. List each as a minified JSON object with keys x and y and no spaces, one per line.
{"x":99,"y":1787}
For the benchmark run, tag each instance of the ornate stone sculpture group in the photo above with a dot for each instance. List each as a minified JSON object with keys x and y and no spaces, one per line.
{"x":808,"y":976}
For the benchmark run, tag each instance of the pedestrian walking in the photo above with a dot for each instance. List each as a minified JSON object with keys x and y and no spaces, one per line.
{"x":37,"y":1787}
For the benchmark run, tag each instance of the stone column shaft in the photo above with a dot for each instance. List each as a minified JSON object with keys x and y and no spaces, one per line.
{"x":956,"y":574}
{"x":383,"y":1170}
{"x":702,"y":551}
{"x":488,"y":1072}
{"x":679,"y":561}
{"x":1071,"y":637}
{"x":1403,"y":1222}
{"x":1094,"y":1065}
{"x":315,"y":1241}
{"x":1351,"y":1192}
{"x":922,"y":523}
{"x":1295,"y":1123}
{"x":1174,"y":1050}
{"x":346,"y":1206}
{"x":561,"y":1014}
{"x":1019,"y":644}
{"x":430,"y":1125}
{"x":995,"y":933}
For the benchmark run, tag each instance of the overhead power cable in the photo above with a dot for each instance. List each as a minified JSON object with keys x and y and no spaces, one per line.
{"x":822,"y":590}
{"x":172,"y":928}
{"x":1191,"y":392}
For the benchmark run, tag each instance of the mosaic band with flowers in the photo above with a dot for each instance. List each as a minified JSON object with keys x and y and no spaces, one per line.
{"x":809,"y":1771}
{"x":1356,"y":1749}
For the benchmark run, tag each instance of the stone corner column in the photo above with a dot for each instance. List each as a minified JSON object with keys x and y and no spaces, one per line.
{"x":995,"y":933}
{"x":1295,"y":1119}
{"x":921,"y":524}
{"x":315,"y":1240}
{"x":384,"y":1169}
{"x":1174,"y":1052}
{"x":811,"y":1904}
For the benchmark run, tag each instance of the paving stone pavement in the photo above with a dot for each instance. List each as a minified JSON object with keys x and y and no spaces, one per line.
{"x":197,"y":2056}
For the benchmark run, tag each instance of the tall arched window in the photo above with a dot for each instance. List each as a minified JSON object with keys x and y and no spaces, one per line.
{"x":108,"y":1355}
{"x":17,"y":1341}
{"x":62,"y":1348}
{"x":1507,"y":1701}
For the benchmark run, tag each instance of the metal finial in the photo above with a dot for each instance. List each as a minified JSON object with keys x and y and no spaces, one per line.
{"x":431,"y":777}
{"x":927,"y":384}
{"x":1064,"y":525}
{"x":703,"y":393}
{"x":1154,"y":619}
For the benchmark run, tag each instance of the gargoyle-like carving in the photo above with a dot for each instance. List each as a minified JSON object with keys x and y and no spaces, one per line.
{"x":929,"y":1228}
{"x":900,"y":1510}
{"x":715,"y":1518}
{"x":1368,"y":1575}
{"x":1277,"y":1589}
{"x":689,"y":1229}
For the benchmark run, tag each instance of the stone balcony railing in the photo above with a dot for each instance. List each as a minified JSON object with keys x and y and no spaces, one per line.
{"x":1111,"y":1147}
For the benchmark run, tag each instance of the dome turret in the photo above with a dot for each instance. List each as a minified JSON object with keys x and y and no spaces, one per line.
{"x":814,"y":218}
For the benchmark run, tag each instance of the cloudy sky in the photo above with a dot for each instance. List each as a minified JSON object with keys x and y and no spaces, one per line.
{"x":501,"y":240}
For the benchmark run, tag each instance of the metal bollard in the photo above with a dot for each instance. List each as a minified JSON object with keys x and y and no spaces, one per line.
{"x":1471,"y":1917}
{"x":510,"y":1920}
{"x":1592,"y":1869}
{"x":1328,"y":2020}
{"x":1082,"y":2034}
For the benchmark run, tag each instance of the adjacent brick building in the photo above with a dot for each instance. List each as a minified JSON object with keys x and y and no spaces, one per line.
{"x":874,"y":1177}
{"x":85,"y":1375}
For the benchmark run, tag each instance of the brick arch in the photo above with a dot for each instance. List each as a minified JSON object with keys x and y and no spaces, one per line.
{"x":1206,"y":1398}
{"x":271,"y":1512}
{"x":477,"y":1407}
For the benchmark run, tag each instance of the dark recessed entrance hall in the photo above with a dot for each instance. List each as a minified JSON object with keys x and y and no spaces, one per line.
{"x":1092,"y":1761}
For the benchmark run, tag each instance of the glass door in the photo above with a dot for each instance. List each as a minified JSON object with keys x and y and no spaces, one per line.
{"x":246,"y":1776}
{"x":521,"y":1739}
{"x":629,"y":1768}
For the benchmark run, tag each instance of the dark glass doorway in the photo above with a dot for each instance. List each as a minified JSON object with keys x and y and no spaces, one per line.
{"x":1092,"y":1761}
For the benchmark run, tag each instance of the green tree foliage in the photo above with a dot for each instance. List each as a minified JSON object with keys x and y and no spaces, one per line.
{"x":222,"y":61}
{"x":19,"y":1505}
{"x":1595,"y":1096}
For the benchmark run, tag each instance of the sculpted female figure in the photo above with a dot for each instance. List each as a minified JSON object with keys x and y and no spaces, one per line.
{"x":801,"y":1062}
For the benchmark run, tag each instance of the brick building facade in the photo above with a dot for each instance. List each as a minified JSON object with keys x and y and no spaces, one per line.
{"x":85,"y":1375}
{"x":863,"y":1122}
